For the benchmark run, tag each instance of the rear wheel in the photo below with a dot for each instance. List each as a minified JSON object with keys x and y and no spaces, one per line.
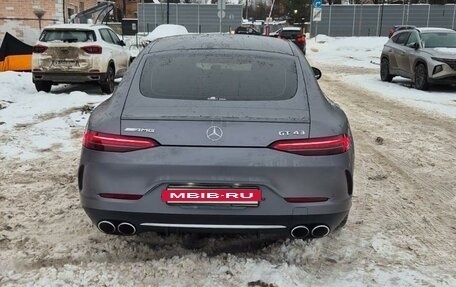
{"x":107,"y":85}
{"x":421,"y":77}
{"x":384,"y":71}
{"x":44,"y":86}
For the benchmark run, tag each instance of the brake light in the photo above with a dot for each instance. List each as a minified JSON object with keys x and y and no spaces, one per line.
{"x":39,"y":49}
{"x":121,"y":196}
{"x":301,"y":39}
{"x":314,"y":147}
{"x":115,"y":143}
{"x":92,"y":49}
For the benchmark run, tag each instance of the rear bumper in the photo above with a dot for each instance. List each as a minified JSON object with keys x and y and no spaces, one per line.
{"x":278,"y":175}
{"x":259,"y":224}
{"x":68,"y":77}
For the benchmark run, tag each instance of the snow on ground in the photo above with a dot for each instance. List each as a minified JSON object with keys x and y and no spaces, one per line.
{"x":439,"y":100}
{"x":364,"y":52}
{"x":36,"y":123}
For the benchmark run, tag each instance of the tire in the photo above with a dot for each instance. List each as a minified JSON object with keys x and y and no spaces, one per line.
{"x":384,"y":71}
{"x":44,"y":86}
{"x":421,"y":77}
{"x":107,"y":85}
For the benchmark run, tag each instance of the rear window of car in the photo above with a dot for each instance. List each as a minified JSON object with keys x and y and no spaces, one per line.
{"x":67,"y":36}
{"x":221,"y":76}
{"x":290,"y":34}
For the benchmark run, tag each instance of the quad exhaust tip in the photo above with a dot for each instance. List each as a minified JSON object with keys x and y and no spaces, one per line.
{"x":299,"y":232}
{"x":320,"y":231}
{"x":106,"y":227}
{"x":126,"y":228}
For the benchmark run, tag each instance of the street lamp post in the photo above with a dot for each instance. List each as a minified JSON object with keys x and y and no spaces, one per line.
{"x":39,"y":13}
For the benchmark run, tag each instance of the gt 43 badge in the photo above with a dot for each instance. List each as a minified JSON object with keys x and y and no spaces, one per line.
{"x":292,"y":133}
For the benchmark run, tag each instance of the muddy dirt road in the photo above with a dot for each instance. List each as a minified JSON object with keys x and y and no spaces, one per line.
{"x":401,"y":231}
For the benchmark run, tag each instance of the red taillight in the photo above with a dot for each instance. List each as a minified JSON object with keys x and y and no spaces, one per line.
{"x":92,"y":49}
{"x":305,"y":199}
{"x":121,"y":196}
{"x":115,"y":143}
{"x":301,"y":39}
{"x":39,"y":49}
{"x":315,"y":146}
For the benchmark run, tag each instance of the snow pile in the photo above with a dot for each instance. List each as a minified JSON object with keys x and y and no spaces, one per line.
{"x":164,"y":30}
{"x":32,"y":123}
{"x":440,"y":100}
{"x":361,"y":52}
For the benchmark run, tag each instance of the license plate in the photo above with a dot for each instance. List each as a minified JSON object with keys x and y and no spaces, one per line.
{"x":246,"y":196}
{"x":66,"y":63}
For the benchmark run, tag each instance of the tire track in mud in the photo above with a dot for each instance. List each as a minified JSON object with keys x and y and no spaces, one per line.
{"x":418,"y":157}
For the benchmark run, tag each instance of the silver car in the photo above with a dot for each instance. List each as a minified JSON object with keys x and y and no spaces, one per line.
{"x":218,"y":133}
{"x":424,"y":55}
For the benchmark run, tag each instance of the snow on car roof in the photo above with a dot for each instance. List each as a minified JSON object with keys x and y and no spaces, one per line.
{"x":291,"y":28}
{"x":75,"y":26}
{"x":434,"y":29}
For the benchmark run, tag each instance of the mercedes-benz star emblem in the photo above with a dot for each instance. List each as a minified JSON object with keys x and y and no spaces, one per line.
{"x":214,"y":133}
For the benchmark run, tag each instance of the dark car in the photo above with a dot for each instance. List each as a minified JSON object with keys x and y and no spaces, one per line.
{"x":218,"y":133}
{"x":294,"y":34}
{"x":399,"y":28}
{"x":246,"y":30}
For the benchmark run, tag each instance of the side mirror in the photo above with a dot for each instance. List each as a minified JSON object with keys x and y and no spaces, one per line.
{"x":414,"y":45}
{"x":122,"y":43}
{"x":317,"y":73}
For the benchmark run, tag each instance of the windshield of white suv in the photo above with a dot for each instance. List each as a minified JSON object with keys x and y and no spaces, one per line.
{"x":67,"y":36}
{"x":439,"y":40}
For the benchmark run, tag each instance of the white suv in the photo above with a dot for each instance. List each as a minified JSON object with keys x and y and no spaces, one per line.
{"x":78,"y":53}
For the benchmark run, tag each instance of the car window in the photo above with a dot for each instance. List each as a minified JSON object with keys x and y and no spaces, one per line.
{"x":223,"y":76}
{"x":67,"y":36}
{"x":106,"y":36}
{"x":412,"y":39}
{"x":402,"y":38}
{"x":290,"y":34}
{"x":438,"y":40}
{"x":114,"y":37}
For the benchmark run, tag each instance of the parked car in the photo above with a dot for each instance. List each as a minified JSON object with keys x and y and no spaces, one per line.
{"x":218,"y":133}
{"x":424,"y":55}
{"x":246,"y":30}
{"x":294,"y":34}
{"x":399,"y":28}
{"x":79,"y":53}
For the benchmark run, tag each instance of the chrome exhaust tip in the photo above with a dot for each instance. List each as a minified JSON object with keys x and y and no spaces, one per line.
{"x":320,"y":231}
{"x":126,"y":228}
{"x":299,"y":232}
{"x":106,"y":227}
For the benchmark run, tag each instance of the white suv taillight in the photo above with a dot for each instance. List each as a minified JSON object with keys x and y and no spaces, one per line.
{"x":94,"y":49}
{"x":39,"y":49}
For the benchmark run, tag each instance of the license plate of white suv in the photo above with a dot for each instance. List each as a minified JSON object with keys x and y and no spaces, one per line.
{"x":67,"y":63}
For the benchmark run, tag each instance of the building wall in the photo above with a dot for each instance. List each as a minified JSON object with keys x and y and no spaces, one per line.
{"x":17,"y":16}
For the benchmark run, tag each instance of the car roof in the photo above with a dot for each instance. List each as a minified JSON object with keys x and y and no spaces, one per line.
{"x":221,"y":41}
{"x":76,"y":26}
{"x":433,"y":30}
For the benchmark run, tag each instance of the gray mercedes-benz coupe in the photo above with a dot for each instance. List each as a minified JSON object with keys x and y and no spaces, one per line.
{"x":218,"y":133}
